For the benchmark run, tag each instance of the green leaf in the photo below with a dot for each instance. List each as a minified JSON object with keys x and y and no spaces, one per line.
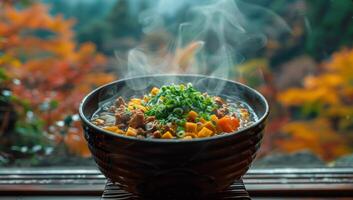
{"x":53,"y":104}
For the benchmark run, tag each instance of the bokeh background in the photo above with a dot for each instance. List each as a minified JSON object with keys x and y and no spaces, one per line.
{"x":53,"y":52}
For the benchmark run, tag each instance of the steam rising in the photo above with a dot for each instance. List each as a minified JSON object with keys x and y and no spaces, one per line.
{"x":214,"y":39}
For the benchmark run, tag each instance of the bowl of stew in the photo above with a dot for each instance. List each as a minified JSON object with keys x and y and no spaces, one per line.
{"x":174,"y":135}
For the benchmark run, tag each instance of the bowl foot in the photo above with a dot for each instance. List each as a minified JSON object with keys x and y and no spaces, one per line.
{"x":236,"y":191}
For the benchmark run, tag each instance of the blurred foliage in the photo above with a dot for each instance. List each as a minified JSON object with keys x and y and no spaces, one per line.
{"x":118,"y":23}
{"x":311,"y":21}
{"x":329,"y":26}
{"x":47,"y":75}
{"x":322,"y":109}
{"x":319,"y":28}
{"x":122,"y":22}
{"x":84,"y":12}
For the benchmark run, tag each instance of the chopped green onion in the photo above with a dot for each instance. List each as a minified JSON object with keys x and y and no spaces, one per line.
{"x":180,"y":134}
{"x":172,"y":101}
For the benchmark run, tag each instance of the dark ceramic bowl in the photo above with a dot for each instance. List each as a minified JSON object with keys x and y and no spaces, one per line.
{"x":165,"y":168}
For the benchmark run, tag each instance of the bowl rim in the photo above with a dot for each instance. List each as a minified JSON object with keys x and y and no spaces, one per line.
{"x":157,"y":140}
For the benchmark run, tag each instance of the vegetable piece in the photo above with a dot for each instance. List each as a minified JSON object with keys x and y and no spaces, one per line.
{"x":188,"y":137}
{"x":204,"y":132}
{"x":111,"y":128}
{"x":178,"y":111}
{"x":244,"y":113}
{"x":154,"y":91}
{"x":146,"y":99}
{"x":210,"y":126}
{"x":119,"y":131}
{"x":98,"y":122}
{"x":192,"y":115}
{"x":227,"y":124}
{"x":193,"y":135}
{"x":114,"y":129}
{"x":180,"y":134}
{"x":135,"y":101}
{"x":191,"y":127}
{"x":173,"y":101}
{"x":131,"y":132}
{"x":202,"y":120}
{"x":137,"y":106}
{"x":167,"y":135}
{"x":214,"y":118}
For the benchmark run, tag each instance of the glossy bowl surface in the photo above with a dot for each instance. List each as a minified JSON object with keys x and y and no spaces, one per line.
{"x":161,"y":168}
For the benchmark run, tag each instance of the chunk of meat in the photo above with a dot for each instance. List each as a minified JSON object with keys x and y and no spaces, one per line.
{"x":112,"y":109}
{"x":219,"y":101}
{"x":137,"y":120}
{"x":140,"y":131}
{"x":121,"y":126}
{"x":150,"y":119}
{"x":221,"y":112}
{"x":121,"y":117}
{"x":120,"y":102}
{"x":157,"y":134}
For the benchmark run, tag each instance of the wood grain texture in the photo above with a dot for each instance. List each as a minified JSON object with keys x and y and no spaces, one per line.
{"x":270,"y":183}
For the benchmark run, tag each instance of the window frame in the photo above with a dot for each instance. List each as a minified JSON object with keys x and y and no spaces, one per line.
{"x":280,"y":182}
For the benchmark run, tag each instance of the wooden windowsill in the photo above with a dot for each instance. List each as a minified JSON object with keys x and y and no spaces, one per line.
{"x":318,"y":182}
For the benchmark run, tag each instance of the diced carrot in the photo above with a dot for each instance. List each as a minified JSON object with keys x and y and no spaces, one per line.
{"x":111,"y":128}
{"x":141,"y":107}
{"x":146,"y":99}
{"x":135,"y":101}
{"x":167,"y":135}
{"x":227,"y":124}
{"x":119,"y":131}
{"x":210,"y":126}
{"x":193,"y":135}
{"x":191,"y":127}
{"x":131,"y":132}
{"x":114,"y":129}
{"x":192,"y":116}
{"x":202,"y":120}
{"x":214,"y":118}
{"x":204,"y":132}
{"x":154,"y":91}
{"x":132,"y":106}
{"x":235,"y":122}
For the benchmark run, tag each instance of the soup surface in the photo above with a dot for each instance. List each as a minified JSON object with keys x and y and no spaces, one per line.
{"x":174,"y":112}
